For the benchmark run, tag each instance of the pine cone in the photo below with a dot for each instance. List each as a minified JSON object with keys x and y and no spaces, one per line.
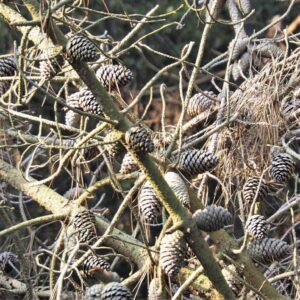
{"x":72,"y":119}
{"x":6,"y":259}
{"x":266,"y":251}
{"x":4,"y":86}
{"x":113,"y":146}
{"x":94,"y":292}
{"x":92,"y":264}
{"x":282,"y":168}
{"x":7,"y":68}
{"x":128,"y":164}
{"x":87,"y":102}
{"x":200,"y":103}
{"x":116,"y":291}
{"x":257,"y":227}
{"x":250,"y":188}
{"x":80,"y":48}
{"x":154,"y":292}
{"x":85,"y":224}
{"x":245,"y":6}
{"x":179,"y":188}
{"x":212,"y":218}
{"x":290,"y":110}
{"x":149,"y":205}
{"x":233,"y":283}
{"x":269,"y":50}
{"x":173,"y":249}
{"x":139,"y":139}
{"x":114,"y":76}
{"x":73,"y":100}
{"x":194,"y":162}
{"x":51,"y":63}
{"x":239,"y":47}
{"x":241,"y":66}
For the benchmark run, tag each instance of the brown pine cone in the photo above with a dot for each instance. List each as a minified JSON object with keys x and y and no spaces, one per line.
{"x":114,"y":76}
{"x":257,"y":227}
{"x":250,"y":189}
{"x":173,"y":249}
{"x":85,"y":224}
{"x":87,"y":102}
{"x":92,"y":264}
{"x":282,"y":168}
{"x":139,"y":139}
{"x":128,"y":164}
{"x":80,"y":48}
{"x":113,"y":145}
{"x":7,"y":68}
{"x":51,"y":63}
{"x":200,"y":103}
{"x":267,"y":250}
{"x":194,"y":162}
{"x":149,"y":205}
{"x":116,"y":291}
{"x":233,"y":283}
{"x":290,"y":110}
{"x":212,"y":218}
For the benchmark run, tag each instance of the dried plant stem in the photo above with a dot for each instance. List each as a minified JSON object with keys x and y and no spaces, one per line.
{"x":36,"y":221}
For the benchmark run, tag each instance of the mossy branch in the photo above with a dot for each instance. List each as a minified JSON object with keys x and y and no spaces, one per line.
{"x":119,"y":241}
{"x":164,"y":192}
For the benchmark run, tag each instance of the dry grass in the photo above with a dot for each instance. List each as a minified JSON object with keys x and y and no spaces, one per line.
{"x":260,"y":125}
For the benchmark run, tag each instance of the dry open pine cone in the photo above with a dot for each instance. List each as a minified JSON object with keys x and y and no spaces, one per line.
{"x":85,"y":224}
{"x":112,"y":143}
{"x":72,"y":119}
{"x":139,"y":139}
{"x":267,"y":250}
{"x":290,"y":109}
{"x":149,"y":205}
{"x":94,"y":263}
{"x":230,"y":273}
{"x":87,"y":102}
{"x":7,"y":68}
{"x":268,"y":49}
{"x":238,"y":47}
{"x":94,"y":292}
{"x":250,"y":189}
{"x":128,"y":164}
{"x":245,"y":6}
{"x":194,"y":162}
{"x":241,"y":66}
{"x":200,"y":103}
{"x":257,"y":227}
{"x":173,"y":250}
{"x":212,"y":218}
{"x":80,"y":48}
{"x":282,"y":167}
{"x":114,"y":76}
{"x":51,"y":63}
{"x":110,"y":291}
